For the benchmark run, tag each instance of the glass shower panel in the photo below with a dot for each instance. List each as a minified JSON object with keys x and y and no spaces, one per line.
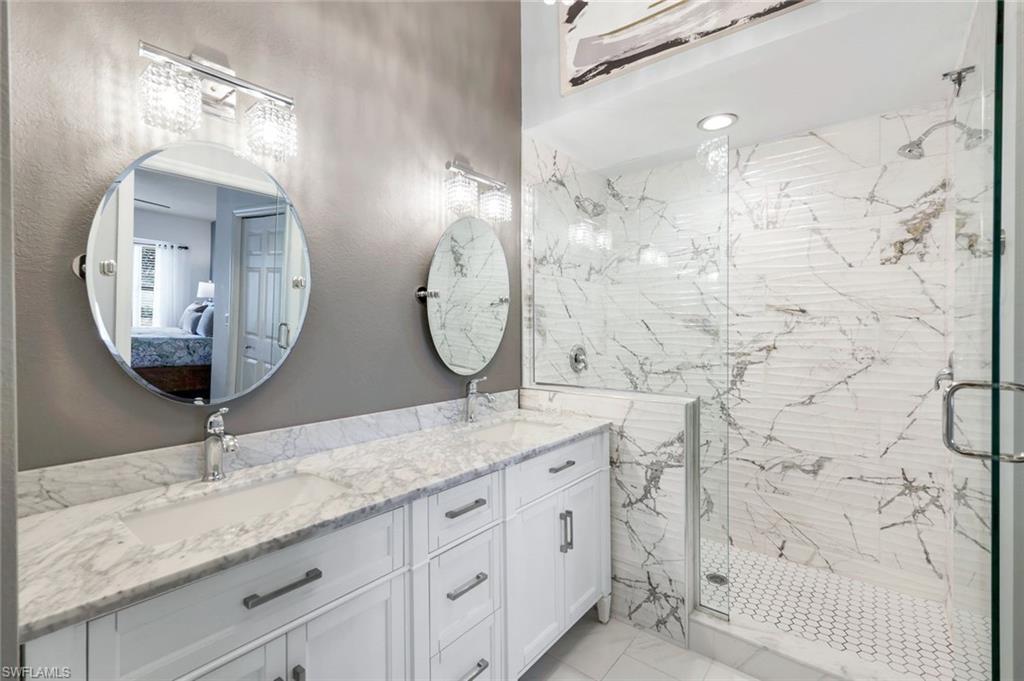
{"x":975,"y":252}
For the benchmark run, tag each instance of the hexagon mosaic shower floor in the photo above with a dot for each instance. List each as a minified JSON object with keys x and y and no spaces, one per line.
{"x":910,"y":635}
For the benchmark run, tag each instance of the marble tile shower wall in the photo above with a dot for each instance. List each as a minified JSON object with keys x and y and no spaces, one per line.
{"x":818,"y":357}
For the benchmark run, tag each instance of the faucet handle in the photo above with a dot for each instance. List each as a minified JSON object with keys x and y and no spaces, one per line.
{"x":215,"y":422}
{"x":474,"y":382}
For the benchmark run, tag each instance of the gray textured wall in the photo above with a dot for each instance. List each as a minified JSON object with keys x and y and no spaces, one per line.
{"x":385,"y":93}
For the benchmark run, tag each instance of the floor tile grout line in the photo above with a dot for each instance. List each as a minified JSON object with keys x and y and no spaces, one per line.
{"x":636,"y":633}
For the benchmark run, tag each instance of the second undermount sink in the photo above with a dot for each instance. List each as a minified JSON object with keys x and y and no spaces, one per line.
{"x":512,"y":430}
{"x":184,"y":519}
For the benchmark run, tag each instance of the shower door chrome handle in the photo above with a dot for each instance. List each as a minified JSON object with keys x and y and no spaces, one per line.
{"x":949,"y":414}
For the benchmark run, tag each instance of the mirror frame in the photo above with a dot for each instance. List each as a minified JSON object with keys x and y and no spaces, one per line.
{"x":91,"y":273}
{"x":508,"y":307}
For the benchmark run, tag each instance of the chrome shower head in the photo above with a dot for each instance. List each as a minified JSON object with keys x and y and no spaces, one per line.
{"x":972,"y":138}
{"x":914,"y":149}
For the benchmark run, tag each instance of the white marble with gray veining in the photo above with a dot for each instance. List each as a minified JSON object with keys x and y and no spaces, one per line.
{"x":54,"y":487}
{"x":80,"y":562}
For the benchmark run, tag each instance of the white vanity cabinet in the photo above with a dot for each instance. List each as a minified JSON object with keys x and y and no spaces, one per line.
{"x":473,"y":582}
{"x":363,"y":639}
{"x":558,"y":548}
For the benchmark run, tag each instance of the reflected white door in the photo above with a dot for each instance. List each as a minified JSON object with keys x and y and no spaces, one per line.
{"x":260,"y":286}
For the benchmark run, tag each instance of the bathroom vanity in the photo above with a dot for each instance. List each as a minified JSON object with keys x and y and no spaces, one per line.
{"x":461,"y":552}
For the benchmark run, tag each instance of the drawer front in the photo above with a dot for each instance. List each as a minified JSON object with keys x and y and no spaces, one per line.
{"x":176,"y":632}
{"x":474,"y":656}
{"x":458,"y":511}
{"x":465,"y":587}
{"x":532,"y":479}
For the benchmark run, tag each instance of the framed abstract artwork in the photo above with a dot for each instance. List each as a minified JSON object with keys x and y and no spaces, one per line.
{"x":600,"y":40}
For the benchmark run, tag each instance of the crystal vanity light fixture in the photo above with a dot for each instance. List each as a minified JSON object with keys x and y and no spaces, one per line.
{"x":461,"y":194}
{"x":272,"y":130}
{"x":463,"y":197}
{"x":170,"y":97}
{"x":496,"y":205}
{"x":175,"y":91}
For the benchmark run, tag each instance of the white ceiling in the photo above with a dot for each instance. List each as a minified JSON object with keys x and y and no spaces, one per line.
{"x":175,"y":195}
{"x":823,"y":63}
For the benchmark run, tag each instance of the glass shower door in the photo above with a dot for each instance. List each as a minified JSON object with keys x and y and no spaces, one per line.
{"x":972,"y":400}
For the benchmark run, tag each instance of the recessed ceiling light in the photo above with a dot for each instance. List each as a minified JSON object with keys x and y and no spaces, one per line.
{"x":719,"y":121}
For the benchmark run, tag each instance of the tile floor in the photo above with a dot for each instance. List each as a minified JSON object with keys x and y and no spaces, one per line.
{"x":592,"y":651}
{"x":911,"y":635}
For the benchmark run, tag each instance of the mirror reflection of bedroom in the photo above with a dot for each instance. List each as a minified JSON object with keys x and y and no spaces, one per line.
{"x":218,"y":272}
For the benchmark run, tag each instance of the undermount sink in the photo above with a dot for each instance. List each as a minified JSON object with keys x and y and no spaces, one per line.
{"x":512,"y":430}
{"x":177,"y":521}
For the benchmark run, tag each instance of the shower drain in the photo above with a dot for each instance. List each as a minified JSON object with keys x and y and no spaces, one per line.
{"x":716,"y":578}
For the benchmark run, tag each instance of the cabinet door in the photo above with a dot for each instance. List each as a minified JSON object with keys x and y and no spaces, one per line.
{"x":263,"y":664}
{"x":583,"y":510}
{"x":362,"y":638}
{"x":535,"y":575}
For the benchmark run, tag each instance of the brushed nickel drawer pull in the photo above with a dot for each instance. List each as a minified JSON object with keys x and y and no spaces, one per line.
{"x":558,"y":469}
{"x":458,"y":593}
{"x":455,"y":513}
{"x":256,"y":600}
{"x":479,"y":669}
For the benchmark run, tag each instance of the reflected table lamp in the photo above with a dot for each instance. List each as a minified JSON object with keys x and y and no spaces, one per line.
{"x":205,"y":290}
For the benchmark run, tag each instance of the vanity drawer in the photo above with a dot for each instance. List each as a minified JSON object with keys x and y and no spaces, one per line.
{"x":173,"y":633}
{"x":465,"y":587}
{"x":456,"y":512}
{"x":541,"y":475}
{"x":474,"y":656}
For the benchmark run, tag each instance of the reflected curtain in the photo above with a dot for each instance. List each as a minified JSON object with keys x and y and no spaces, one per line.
{"x":170,"y":290}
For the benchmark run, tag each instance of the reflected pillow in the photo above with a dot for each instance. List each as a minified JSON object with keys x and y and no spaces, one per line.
{"x":205,"y":325}
{"x":190,"y":318}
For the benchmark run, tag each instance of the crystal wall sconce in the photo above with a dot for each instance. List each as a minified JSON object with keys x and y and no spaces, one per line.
{"x":462,"y":193}
{"x":175,"y":91}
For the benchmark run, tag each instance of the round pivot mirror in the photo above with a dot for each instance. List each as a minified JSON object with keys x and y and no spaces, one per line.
{"x":467,"y":295}
{"x":197,"y":272}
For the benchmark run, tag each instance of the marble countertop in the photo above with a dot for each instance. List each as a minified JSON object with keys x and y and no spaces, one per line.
{"x":80,"y":562}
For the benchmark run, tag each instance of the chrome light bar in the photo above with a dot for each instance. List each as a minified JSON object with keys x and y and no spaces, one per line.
{"x":468,"y":171}
{"x":159,"y":54}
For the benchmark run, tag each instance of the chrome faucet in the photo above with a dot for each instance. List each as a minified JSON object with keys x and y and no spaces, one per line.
{"x":472,"y":392}
{"x":216,"y":443}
